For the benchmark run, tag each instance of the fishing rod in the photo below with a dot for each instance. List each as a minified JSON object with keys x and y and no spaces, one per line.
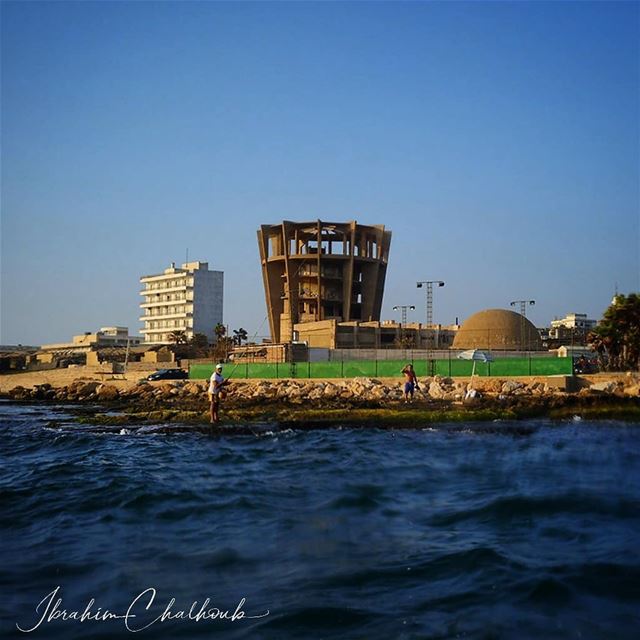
{"x":252,"y":339}
{"x":302,"y":264}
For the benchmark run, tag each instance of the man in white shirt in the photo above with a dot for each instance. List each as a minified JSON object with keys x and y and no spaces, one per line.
{"x":216,"y":384}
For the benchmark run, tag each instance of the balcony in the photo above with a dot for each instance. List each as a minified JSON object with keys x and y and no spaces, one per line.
{"x":163,"y":303}
{"x":165,"y":316}
{"x":152,"y":291}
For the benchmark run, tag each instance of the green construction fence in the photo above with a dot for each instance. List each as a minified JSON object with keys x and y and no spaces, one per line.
{"x":501,"y":367}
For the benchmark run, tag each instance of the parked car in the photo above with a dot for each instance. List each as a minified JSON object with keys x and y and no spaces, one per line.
{"x":584,"y":365}
{"x":169,"y":374}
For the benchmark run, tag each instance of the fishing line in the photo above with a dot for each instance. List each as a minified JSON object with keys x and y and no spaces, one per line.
{"x":303,"y":263}
{"x":252,"y":339}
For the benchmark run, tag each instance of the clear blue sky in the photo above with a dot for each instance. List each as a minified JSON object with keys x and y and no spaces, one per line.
{"x":498,"y":141}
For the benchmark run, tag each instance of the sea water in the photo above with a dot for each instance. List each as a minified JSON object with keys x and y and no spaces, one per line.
{"x":481,"y":530}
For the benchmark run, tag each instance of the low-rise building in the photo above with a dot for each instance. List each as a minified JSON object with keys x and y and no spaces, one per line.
{"x":88,"y":341}
{"x":331,"y":334}
{"x":573,"y":329}
{"x":574,"y":321}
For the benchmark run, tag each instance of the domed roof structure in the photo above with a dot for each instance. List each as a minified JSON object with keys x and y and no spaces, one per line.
{"x":498,"y":329}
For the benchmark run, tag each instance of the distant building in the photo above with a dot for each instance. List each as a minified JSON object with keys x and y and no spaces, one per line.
{"x":573,"y":329}
{"x":574,"y":321}
{"x":105,"y":337}
{"x":331,"y":334}
{"x":16,"y":357}
{"x":185,"y":299}
{"x":317,"y":271}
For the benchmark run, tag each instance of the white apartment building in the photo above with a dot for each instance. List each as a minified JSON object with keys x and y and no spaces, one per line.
{"x":186,"y":299}
{"x":573,"y":324}
{"x":574,"y":321}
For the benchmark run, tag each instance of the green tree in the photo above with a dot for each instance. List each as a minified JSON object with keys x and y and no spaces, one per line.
{"x":222,"y":348}
{"x":199,"y":341}
{"x":616,"y":339}
{"x":198,"y":346}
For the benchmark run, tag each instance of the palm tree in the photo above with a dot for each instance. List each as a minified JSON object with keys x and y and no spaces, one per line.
{"x":178,"y":337}
{"x":239,"y":336}
{"x":220,"y":331}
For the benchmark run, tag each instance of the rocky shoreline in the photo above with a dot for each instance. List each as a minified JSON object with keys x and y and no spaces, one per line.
{"x":357,"y":401}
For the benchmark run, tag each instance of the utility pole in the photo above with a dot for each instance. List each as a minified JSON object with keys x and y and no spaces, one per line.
{"x":523,"y":313}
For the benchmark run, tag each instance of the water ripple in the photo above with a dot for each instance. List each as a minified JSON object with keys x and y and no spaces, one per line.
{"x":492,"y":530}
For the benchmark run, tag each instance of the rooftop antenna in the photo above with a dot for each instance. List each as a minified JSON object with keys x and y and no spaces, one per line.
{"x":187,"y":260}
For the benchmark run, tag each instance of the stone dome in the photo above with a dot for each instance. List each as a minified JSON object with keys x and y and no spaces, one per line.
{"x":498,"y":329}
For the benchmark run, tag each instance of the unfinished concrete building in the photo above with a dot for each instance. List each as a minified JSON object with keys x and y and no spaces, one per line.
{"x":316,"y":271}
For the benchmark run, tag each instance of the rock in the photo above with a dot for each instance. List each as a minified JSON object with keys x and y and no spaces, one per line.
{"x":510,"y":386}
{"x":86,"y":389}
{"x":18,"y":393}
{"x":107,"y":392}
{"x":316,"y":392}
{"x":357,"y":389}
{"x":489,"y":385}
{"x":330,"y":391}
{"x":436,"y":391}
{"x":378,"y":392}
{"x":522,"y":391}
{"x":167,"y":388}
{"x":604,"y":387}
{"x":366,"y":383}
{"x":194,"y":388}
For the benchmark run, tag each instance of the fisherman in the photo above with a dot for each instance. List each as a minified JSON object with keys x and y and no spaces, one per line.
{"x":410,"y":382}
{"x":215,"y":391}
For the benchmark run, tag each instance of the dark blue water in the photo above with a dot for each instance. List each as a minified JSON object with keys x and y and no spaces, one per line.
{"x":491,"y":530}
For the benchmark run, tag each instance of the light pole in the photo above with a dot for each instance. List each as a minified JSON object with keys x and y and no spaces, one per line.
{"x":523,"y":314}
{"x":404,"y":308}
{"x":429,"y":285}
